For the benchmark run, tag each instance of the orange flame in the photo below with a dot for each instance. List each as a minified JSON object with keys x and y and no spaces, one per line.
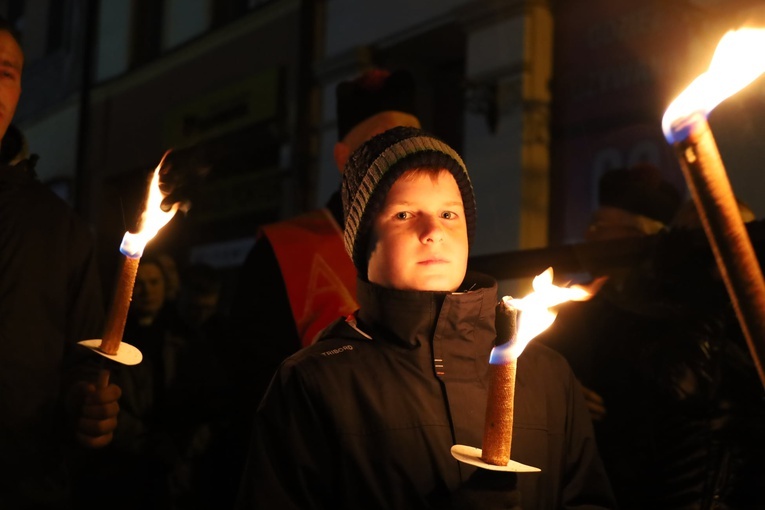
{"x":535,"y":315}
{"x":737,"y":62}
{"x":153,"y":218}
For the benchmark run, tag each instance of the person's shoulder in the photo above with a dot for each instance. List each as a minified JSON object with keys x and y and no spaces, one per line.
{"x":45,"y":197}
{"x":45,"y":206}
{"x":340,"y":344}
{"x":41,"y":194}
{"x":542,"y":354}
{"x":318,"y":224}
{"x":334,"y":367}
{"x":544,"y":363}
{"x":263,"y":247}
{"x":297,"y":219}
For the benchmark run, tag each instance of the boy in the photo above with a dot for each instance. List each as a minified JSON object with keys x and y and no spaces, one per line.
{"x":365,"y":418}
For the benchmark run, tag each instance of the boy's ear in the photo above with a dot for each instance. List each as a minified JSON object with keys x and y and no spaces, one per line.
{"x":341,"y":153}
{"x":371,"y":245}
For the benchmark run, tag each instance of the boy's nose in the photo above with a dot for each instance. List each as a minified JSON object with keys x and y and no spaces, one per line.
{"x":432,"y":231}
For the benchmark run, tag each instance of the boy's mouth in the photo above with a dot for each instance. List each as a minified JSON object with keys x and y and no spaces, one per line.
{"x":428,"y":262}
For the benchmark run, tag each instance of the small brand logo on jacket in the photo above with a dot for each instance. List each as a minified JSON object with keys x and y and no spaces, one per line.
{"x":338,"y":350}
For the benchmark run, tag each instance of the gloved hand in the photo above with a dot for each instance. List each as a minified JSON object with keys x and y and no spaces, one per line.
{"x":487,"y":490}
{"x":93,"y":412}
{"x":505,"y":320}
{"x":181,"y":179}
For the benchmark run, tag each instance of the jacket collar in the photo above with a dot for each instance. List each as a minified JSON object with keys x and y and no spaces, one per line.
{"x":412,"y":318}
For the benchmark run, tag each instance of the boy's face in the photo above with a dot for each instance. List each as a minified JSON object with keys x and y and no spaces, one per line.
{"x":419,"y":238}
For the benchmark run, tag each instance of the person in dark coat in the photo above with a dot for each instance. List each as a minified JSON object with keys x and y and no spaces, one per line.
{"x":633,"y":202}
{"x":50,"y":298}
{"x":685,"y":406}
{"x":366,"y":416}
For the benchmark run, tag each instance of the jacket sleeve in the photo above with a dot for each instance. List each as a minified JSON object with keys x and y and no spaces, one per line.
{"x":585,"y":483}
{"x":290,"y":459}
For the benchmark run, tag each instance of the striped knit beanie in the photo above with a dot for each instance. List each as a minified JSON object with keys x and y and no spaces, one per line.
{"x":374,"y":167}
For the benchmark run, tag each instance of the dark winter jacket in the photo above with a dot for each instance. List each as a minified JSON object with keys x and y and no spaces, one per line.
{"x":50,"y":298}
{"x":366,"y":417}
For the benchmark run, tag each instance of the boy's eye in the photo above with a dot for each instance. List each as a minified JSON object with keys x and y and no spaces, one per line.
{"x":448,"y":215}
{"x":403,"y":215}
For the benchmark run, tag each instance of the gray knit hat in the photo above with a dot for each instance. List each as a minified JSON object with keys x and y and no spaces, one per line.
{"x":374,"y":167}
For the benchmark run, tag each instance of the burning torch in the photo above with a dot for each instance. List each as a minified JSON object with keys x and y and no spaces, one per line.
{"x":152,"y":220}
{"x":520,"y":321}
{"x":736,"y":63}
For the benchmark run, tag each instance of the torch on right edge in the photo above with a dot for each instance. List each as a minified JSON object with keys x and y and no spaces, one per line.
{"x":685,"y":126}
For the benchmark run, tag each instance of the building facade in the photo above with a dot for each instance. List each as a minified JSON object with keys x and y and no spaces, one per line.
{"x":539,"y":96}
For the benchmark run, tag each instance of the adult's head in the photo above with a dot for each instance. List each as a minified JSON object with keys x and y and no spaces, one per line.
{"x":199,"y":294}
{"x":409,"y":211}
{"x":149,"y":290}
{"x":374,"y":102}
{"x":11,"y":65}
{"x":633,"y":202}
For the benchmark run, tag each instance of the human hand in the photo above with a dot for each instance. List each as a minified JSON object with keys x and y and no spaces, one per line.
{"x":595,"y":404}
{"x":488,"y":489}
{"x":505,"y":320}
{"x":181,"y":179}
{"x":93,"y":410}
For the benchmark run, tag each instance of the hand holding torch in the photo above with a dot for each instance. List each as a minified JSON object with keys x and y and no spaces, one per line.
{"x":518,"y":322}
{"x":153,"y":219}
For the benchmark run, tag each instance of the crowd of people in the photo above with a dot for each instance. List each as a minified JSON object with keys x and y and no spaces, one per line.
{"x":355,"y":351}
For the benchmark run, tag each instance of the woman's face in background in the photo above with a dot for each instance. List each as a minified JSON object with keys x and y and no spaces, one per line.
{"x":149,"y":290}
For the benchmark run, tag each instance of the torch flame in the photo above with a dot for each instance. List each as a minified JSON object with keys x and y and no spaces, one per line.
{"x":737,"y":62}
{"x":535,"y":315}
{"x":153,"y":218}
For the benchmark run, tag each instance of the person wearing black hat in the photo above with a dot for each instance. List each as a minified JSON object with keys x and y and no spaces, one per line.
{"x":366,"y":416}
{"x":684,"y":404}
{"x":297,"y":278}
{"x":633,"y":202}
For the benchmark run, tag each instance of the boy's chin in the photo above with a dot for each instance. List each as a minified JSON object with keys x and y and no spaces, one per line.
{"x":437,"y":283}
{"x":422,"y":280}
